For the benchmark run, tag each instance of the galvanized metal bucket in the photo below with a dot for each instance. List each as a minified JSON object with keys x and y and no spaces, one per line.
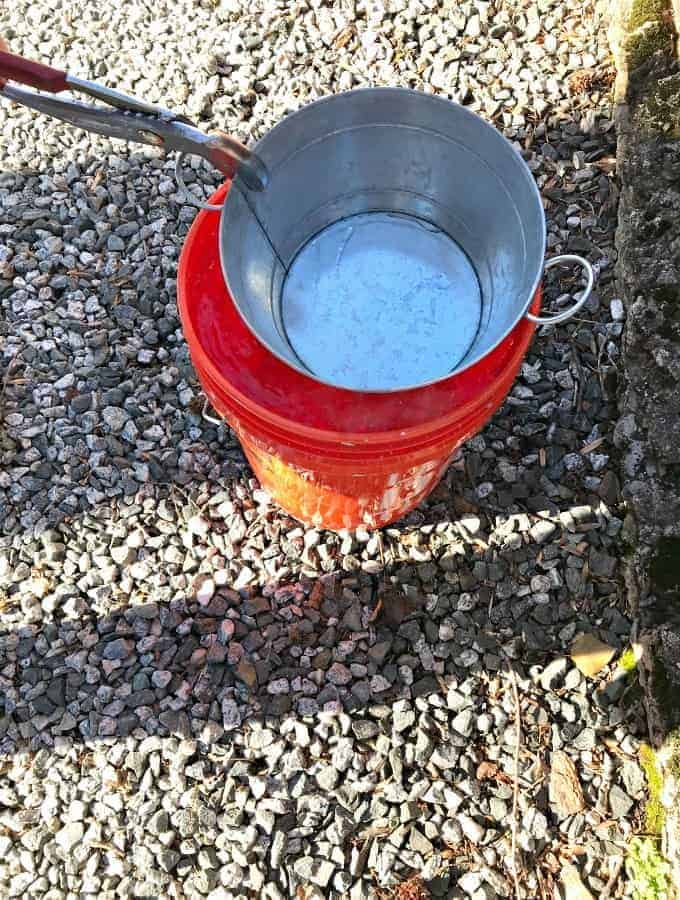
{"x":399,"y":240}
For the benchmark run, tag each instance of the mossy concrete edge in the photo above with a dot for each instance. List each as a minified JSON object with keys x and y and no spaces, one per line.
{"x":639,"y":29}
{"x":661,"y":758}
{"x":644,"y":39}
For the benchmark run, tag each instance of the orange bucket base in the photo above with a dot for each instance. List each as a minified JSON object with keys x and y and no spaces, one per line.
{"x":348,"y":499}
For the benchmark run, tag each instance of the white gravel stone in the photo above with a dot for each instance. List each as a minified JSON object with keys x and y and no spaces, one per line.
{"x":115,"y":418}
{"x":231,"y":715}
{"x":70,"y":836}
{"x":205,"y":591}
{"x":472,"y":830}
{"x":617,"y":310}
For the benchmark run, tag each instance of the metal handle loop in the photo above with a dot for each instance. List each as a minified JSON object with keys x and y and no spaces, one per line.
{"x":185,"y":190}
{"x":208,"y":418}
{"x":567,"y":313}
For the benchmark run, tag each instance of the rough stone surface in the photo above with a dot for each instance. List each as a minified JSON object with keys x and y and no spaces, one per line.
{"x":647,"y":434}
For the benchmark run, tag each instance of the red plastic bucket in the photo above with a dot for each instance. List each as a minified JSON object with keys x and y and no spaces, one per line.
{"x":330,"y":457}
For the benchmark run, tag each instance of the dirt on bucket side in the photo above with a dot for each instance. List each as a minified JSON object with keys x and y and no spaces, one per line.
{"x":644,"y":37}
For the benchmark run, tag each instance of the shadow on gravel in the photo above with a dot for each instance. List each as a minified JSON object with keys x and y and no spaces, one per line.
{"x":340,"y":641}
{"x":205,"y":689}
{"x":101,"y":414}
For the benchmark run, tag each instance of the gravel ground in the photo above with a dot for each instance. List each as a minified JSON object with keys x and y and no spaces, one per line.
{"x":200,"y":697}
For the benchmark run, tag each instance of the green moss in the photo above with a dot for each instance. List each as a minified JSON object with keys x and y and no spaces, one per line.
{"x":672,"y":747}
{"x":627,"y":660}
{"x":647,"y":11}
{"x":648,"y":29}
{"x":660,"y":109}
{"x":646,"y":41}
{"x":649,"y":874}
{"x":664,"y":568}
{"x":654,"y":814}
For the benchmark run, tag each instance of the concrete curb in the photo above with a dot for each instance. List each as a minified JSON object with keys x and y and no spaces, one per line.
{"x":644,"y":39}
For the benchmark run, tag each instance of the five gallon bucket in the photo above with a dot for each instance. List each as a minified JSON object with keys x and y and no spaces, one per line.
{"x":332,"y":457}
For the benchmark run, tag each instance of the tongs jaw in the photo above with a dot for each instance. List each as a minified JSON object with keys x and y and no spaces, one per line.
{"x":130,"y":119}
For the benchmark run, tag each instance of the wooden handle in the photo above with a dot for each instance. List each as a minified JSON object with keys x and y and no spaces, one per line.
{"x":37,"y":75}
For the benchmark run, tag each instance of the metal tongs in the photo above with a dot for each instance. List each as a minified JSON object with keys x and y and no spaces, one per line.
{"x":130,"y":120}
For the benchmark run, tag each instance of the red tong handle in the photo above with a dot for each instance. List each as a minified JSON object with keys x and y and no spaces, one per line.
{"x":35,"y":74}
